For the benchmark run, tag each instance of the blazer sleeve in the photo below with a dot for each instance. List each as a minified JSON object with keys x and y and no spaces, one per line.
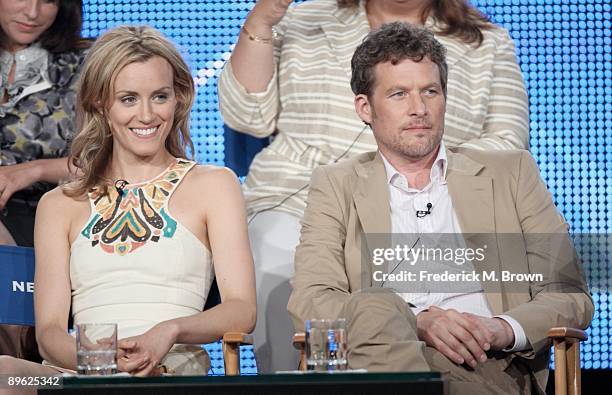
{"x":253,"y":113}
{"x":562,"y":299}
{"x":320,"y":283}
{"x":506,"y":124}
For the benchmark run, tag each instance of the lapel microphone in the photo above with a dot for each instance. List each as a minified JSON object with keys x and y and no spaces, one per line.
{"x":422,"y":213}
{"x":120,"y":185}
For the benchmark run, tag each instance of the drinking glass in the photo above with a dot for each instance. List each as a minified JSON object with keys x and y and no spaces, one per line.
{"x":326,"y":345}
{"x":96,"y":349}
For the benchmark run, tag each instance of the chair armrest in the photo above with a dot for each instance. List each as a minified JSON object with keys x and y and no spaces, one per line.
{"x":237,"y":337}
{"x":231,"y":351}
{"x":299,"y":342}
{"x":566,"y":332}
{"x":567,"y":359}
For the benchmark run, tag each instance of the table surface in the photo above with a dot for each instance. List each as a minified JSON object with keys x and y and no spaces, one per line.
{"x":319,"y":383}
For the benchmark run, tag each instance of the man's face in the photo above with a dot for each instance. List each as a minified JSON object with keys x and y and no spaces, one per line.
{"x":405,"y":109}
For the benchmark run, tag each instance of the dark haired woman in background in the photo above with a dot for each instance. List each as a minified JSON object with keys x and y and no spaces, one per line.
{"x":296,"y":85}
{"x":41,"y":51}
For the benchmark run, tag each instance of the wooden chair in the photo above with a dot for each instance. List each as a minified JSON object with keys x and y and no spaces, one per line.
{"x":299,"y":342}
{"x":231,"y":351}
{"x":566,"y":346}
{"x":17,"y":271}
{"x":566,"y":343}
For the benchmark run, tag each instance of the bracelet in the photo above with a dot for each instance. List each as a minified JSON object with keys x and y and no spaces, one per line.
{"x":254,"y":37}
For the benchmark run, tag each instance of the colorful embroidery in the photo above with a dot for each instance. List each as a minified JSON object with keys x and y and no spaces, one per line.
{"x":125,"y":221}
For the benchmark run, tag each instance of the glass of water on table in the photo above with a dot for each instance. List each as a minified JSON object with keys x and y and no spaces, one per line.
{"x":326,"y":343}
{"x":96,"y":349}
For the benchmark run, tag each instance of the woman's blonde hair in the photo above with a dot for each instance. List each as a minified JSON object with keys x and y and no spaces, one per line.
{"x":93,"y":144}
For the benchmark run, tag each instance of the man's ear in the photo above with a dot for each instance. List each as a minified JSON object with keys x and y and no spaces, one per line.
{"x":363,"y":108}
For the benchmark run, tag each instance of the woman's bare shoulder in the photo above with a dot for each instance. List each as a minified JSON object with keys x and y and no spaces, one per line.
{"x":58,"y":202}
{"x":209,"y":175}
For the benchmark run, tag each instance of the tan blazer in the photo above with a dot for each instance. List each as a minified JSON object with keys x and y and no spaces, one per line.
{"x":499,"y":192}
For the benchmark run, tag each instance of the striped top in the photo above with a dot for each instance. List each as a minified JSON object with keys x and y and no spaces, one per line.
{"x":309,"y":102}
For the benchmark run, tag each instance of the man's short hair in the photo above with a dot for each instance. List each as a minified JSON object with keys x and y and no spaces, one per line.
{"x":395,"y":42}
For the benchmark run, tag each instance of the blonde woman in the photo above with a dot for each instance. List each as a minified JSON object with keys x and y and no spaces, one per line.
{"x":134,"y":238}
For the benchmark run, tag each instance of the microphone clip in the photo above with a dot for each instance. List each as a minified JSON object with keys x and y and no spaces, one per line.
{"x":120,"y":185}
{"x":423,"y":213}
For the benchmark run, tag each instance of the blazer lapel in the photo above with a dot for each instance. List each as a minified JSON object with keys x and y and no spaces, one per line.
{"x":472,"y":198}
{"x":371,"y":197}
{"x":472,"y":195}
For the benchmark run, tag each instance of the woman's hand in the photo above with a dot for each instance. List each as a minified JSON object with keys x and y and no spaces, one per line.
{"x":140,"y":355}
{"x":14,"y":178}
{"x":132,"y":362}
{"x":266,"y":14}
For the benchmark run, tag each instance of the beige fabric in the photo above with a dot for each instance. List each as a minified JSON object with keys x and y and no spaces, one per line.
{"x":382,"y":333}
{"x":181,"y":360}
{"x":309,"y":103}
{"x":186,"y":360}
{"x":499,"y":192}
{"x":382,"y":338}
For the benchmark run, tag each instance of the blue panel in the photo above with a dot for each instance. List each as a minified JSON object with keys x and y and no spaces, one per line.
{"x":563,"y":48}
{"x":16,"y":285}
{"x":247,"y":360}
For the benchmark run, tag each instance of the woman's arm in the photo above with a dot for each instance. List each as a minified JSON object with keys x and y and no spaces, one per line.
{"x":52,"y":295}
{"x":14,"y":178}
{"x":252,"y":60}
{"x":248,"y":87}
{"x":227,"y":232}
{"x":52,"y":280}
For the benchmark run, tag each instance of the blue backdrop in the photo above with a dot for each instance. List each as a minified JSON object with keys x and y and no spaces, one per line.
{"x":563,"y":48}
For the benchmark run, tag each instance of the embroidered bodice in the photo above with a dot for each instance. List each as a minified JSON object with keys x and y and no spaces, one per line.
{"x":133,"y":263}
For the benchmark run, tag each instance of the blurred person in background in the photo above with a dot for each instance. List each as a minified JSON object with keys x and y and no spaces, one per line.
{"x":41,"y":52}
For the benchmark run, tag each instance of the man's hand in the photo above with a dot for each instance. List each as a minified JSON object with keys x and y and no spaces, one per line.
{"x":140,"y":355}
{"x":461,"y":338}
{"x":503,"y":335}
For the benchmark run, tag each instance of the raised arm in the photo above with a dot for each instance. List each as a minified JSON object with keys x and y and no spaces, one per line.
{"x":253,"y":60}
{"x":248,"y":87}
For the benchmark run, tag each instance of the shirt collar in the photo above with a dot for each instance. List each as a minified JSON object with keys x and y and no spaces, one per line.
{"x":437,"y":172}
{"x":31,"y":64}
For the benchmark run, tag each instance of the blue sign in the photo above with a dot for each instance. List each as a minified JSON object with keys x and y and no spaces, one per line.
{"x":16,"y":285}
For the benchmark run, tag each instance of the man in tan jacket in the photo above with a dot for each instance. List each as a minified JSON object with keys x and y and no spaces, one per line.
{"x":490,"y":338}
